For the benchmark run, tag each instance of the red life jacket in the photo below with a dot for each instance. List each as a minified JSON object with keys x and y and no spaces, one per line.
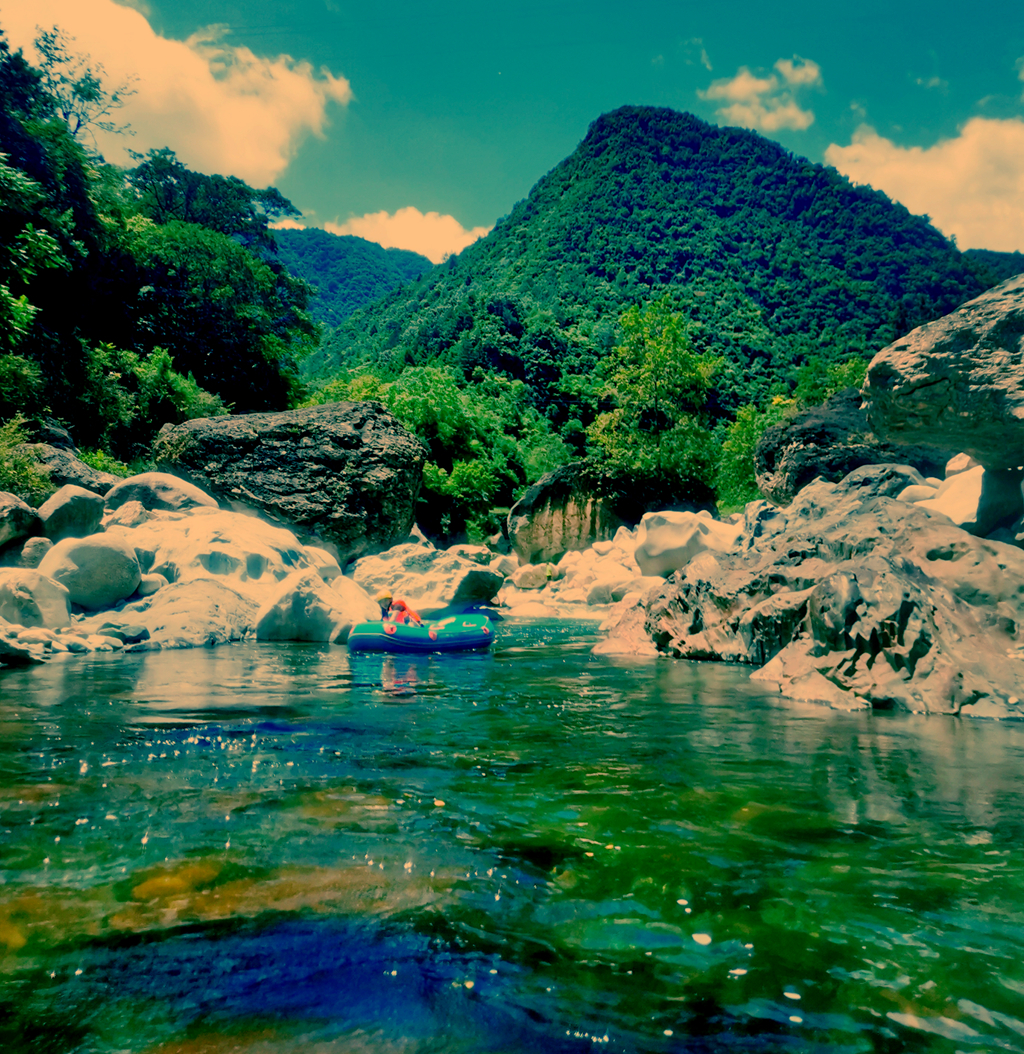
{"x":400,"y":612}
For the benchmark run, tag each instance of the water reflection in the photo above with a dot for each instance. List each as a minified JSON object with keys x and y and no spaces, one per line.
{"x":552,"y":851}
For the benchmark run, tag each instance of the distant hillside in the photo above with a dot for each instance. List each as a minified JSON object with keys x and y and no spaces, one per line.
{"x":1000,"y":265}
{"x":774,"y":258}
{"x":346,"y":271}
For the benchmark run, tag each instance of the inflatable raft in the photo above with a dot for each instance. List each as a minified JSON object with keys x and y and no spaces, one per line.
{"x":458,"y":633}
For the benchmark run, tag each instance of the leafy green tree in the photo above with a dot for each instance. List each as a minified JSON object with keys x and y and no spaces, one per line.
{"x":133,"y":395}
{"x":221,"y":313}
{"x":818,"y":380}
{"x":167,"y":190}
{"x":736,"y":481}
{"x":655,"y":373}
{"x":75,"y":85}
{"x":654,"y":448}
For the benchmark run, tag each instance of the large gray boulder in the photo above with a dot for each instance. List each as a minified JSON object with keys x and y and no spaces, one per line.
{"x":557,"y":515}
{"x":855,"y":601}
{"x":348,"y":473}
{"x":158,"y":490}
{"x":17,"y":519}
{"x":830,"y":441}
{"x":958,"y":382}
{"x":73,"y":512}
{"x":97,"y":571}
{"x":28,"y":598}
{"x":64,"y":467}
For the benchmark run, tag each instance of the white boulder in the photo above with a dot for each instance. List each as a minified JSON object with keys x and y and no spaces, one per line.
{"x":667,"y":541}
{"x":960,"y":463}
{"x":98,"y":570}
{"x":429,"y":579}
{"x":975,"y":499}
{"x":305,"y":608}
{"x":28,"y":598}
{"x":244,"y":552}
{"x":194,"y":614}
{"x":158,"y":490}
{"x":73,"y":512}
{"x":532,"y":576}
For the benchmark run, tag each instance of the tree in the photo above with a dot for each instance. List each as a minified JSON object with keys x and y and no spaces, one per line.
{"x":167,"y":190}
{"x":222,"y":313}
{"x":75,"y":85}
{"x":654,"y":448}
{"x":655,"y":374}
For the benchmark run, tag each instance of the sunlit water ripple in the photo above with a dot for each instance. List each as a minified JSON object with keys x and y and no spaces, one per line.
{"x":285,"y":849}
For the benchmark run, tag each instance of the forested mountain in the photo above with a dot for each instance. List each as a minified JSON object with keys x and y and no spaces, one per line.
{"x":773,"y":260}
{"x":999,"y":265}
{"x":346,"y":272}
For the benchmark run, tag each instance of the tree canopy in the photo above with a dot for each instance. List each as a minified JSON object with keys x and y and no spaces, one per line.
{"x":122,"y":306}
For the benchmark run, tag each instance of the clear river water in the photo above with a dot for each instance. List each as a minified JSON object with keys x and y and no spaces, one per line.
{"x":288,"y":849}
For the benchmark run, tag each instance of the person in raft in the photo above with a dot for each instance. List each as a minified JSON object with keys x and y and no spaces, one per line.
{"x":396,"y":610}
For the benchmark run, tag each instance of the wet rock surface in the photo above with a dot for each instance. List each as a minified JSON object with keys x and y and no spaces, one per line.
{"x":347,"y":473}
{"x":957,"y":382}
{"x":853,"y":601}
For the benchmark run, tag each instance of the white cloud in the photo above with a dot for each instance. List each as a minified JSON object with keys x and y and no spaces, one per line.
{"x":932,"y":82}
{"x":799,"y":71}
{"x":766,"y":102}
{"x":432,"y":234}
{"x":287,"y":223}
{"x":221,"y":108}
{"x":972,"y":185}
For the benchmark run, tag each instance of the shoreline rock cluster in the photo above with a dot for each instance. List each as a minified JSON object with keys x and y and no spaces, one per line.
{"x":885,"y":588}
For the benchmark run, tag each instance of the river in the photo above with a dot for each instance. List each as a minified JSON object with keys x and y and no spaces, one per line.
{"x":285,"y":849}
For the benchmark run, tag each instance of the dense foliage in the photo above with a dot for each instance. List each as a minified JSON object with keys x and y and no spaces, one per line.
{"x":999,"y":266}
{"x":346,"y":272}
{"x":486,"y":442}
{"x":128,"y":299}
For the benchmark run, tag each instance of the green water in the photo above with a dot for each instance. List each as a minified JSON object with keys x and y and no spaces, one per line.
{"x":271,"y":849}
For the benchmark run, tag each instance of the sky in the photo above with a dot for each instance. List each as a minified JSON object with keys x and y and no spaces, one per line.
{"x":418,"y":125}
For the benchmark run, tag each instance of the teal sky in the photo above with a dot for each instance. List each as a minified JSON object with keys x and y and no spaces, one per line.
{"x":459,"y":107}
